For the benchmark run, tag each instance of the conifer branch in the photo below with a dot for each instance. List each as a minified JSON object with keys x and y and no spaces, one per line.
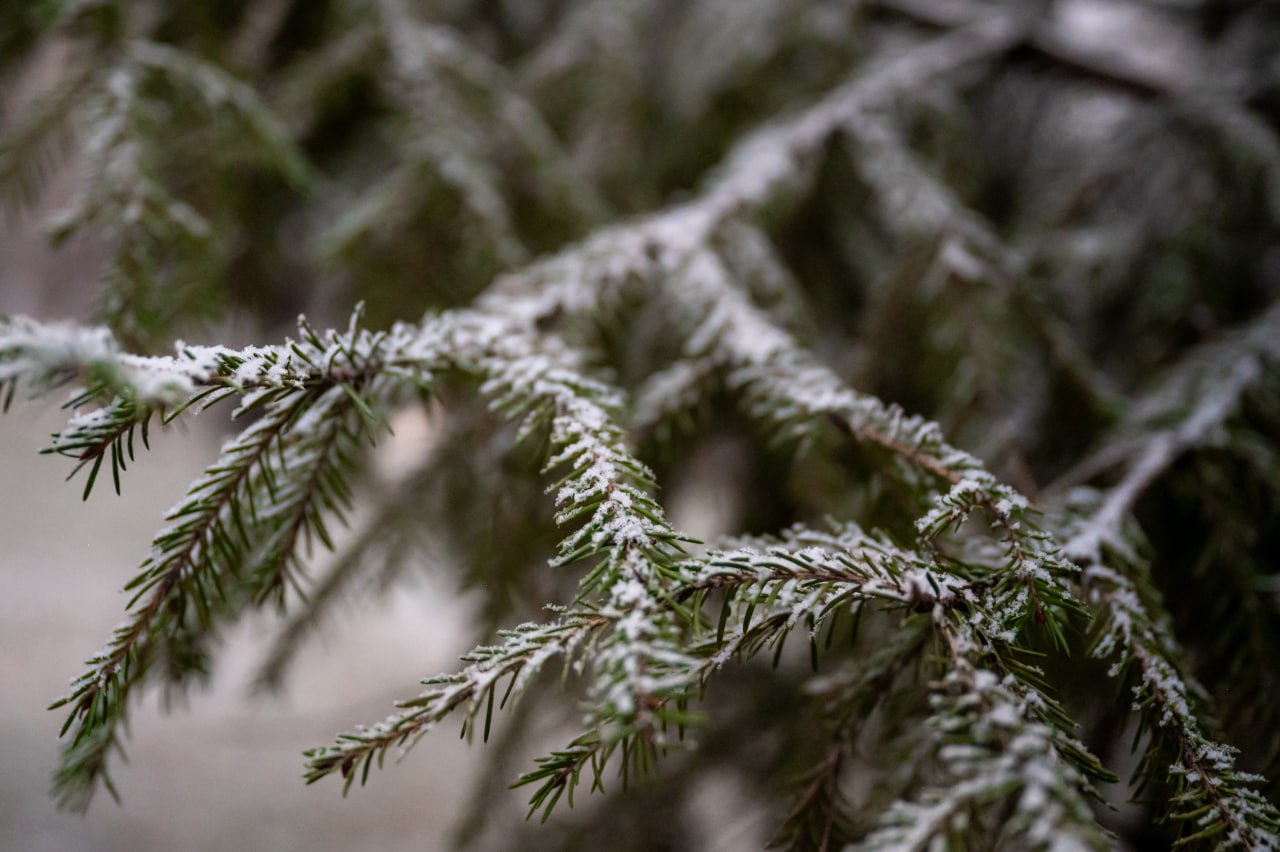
{"x":234,"y":537}
{"x":994,"y":753}
{"x":136,"y":388}
{"x":940,"y":195}
{"x":822,"y":817}
{"x":604,"y":491}
{"x":670,"y":240}
{"x":1195,"y":399}
{"x":525,"y":650}
{"x":784,"y":384}
{"x":1032,"y":553}
{"x":377,"y":557}
{"x":125,"y":195}
{"x":804,"y":580}
{"x":187,"y":574}
{"x":1211,"y":794}
{"x":758,"y":170}
{"x":437,"y":79}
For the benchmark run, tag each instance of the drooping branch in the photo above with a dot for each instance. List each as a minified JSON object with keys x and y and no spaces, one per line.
{"x":992,"y":750}
{"x":234,"y":537}
{"x":1213,"y":795}
{"x":1194,"y":398}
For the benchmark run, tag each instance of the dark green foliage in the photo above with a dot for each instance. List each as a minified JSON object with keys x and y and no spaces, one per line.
{"x":962,"y":316}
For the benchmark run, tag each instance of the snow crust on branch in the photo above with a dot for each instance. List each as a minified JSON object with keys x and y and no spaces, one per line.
{"x":992,"y":750}
{"x":1199,"y":395}
{"x":636,"y":628}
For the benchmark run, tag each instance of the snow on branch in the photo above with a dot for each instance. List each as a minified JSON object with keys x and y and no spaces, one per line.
{"x":232,"y":541}
{"x":523,"y":652}
{"x":1188,"y":409}
{"x":639,"y":631}
{"x":51,"y":355}
{"x":1212,"y":793}
{"x":759,"y":169}
{"x":785,"y":385}
{"x":768,"y":589}
{"x":131,"y":389}
{"x":994,"y":755}
{"x":639,"y":664}
{"x":603,"y":495}
{"x":235,"y":535}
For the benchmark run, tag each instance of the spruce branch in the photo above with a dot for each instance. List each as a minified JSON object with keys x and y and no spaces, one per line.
{"x":1187,"y":409}
{"x":372,"y":562}
{"x":233,"y":539}
{"x":936,"y":192}
{"x":1212,"y":796}
{"x":772,"y":366}
{"x":1193,"y":400}
{"x":523,"y":652}
{"x":630,"y":575}
{"x":917,"y":206}
{"x":766,"y":595}
{"x":187,"y":573}
{"x":760,"y":169}
{"x":136,"y":388}
{"x":125,"y":196}
{"x":428,"y":56}
{"x":780,"y":587}
{"x":784,"y":384}
{"x":89,"y":437}
{"x":996,"y":757}
{"x":1053,"y":42}
{"x":49,"y":356}
{"x":227,"y":99}
{"x":604,"y":492}
{"x":418,"y":55}
{"x":467,"y":121}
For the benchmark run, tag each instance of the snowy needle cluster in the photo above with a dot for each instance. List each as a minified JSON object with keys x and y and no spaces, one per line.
{"x":951,"y":331}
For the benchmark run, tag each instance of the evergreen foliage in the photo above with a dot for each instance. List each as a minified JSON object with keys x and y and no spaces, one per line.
{"x":842,"y":240}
